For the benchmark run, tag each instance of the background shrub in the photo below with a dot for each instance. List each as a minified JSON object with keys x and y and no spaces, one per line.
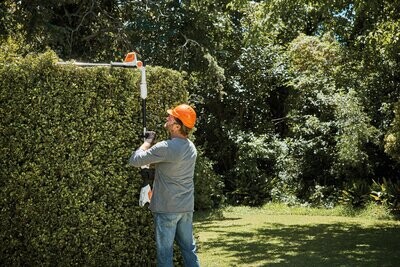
{"x":252,"y":175}
{"x":387,"y":192}
{"x":392,"y":138}
{"x":208,"y":185}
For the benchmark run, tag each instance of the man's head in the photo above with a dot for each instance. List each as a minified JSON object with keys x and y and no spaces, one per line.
{"x":181,"y":119}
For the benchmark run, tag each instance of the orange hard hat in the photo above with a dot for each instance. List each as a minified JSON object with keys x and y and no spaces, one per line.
{"x":185,"y":113}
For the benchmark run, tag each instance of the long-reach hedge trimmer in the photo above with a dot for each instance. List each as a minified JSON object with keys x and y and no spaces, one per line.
{"x":131,"y":61}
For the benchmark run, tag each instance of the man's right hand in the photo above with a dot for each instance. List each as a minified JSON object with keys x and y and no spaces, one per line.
{"x":150,"y":136}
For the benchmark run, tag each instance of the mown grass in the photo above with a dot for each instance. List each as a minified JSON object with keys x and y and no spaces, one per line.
{"x":277,"y":235}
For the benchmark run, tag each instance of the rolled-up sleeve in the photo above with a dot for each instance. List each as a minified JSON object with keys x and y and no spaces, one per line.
{"x":156,"y":153}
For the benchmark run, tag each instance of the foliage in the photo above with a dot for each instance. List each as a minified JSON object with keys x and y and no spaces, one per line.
{"x":356,"y":194}
{"x":207,"y":92}
{"x":12,"y":48}
{"x":252,"y":176}
{"x":324,"y":196}
{"x":208,"y":185}
{"x":319,"y":76}
{"x":328,"y":122}
{"x":354,"y":131}
{"x":288,"y":173}
{"x":311,"y":121}
{"x":392,"y":138}
{"x":164,"y":32}
{"x":67,"y":196}
{"x":258,"y":87}
{"x":387,"y":193}
{"x":254,"y":84}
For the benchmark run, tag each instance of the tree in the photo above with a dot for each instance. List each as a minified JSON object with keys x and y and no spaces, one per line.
{"x":329,"y":129}
{"x":392,"y":138}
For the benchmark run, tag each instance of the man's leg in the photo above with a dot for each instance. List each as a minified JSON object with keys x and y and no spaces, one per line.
{"x":165,"y":226}
{"x":185,"y":240}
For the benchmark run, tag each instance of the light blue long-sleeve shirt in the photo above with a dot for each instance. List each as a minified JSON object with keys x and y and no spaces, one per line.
{"x":173,"y":188}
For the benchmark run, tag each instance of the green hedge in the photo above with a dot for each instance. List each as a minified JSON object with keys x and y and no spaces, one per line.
{"x":67,"y":197}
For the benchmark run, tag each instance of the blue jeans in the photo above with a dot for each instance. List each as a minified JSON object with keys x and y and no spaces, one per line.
{"x":179,"y":227}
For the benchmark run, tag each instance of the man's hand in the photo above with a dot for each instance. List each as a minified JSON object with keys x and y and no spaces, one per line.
{"x":149,"y":136}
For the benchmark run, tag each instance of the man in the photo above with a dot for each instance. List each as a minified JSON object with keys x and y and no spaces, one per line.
{"x":172,"y":201}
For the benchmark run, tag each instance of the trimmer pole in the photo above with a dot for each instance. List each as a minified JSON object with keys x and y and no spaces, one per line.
{"x":144,"y":116}
{"x":143,"y":96}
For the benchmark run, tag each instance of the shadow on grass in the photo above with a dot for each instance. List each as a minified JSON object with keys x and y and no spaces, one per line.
{"x":338,"y":244}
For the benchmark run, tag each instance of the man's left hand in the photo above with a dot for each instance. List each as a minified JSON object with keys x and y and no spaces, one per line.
{"x":150,"y":136}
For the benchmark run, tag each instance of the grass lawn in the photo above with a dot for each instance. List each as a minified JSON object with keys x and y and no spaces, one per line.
{"x":276,"y":235}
